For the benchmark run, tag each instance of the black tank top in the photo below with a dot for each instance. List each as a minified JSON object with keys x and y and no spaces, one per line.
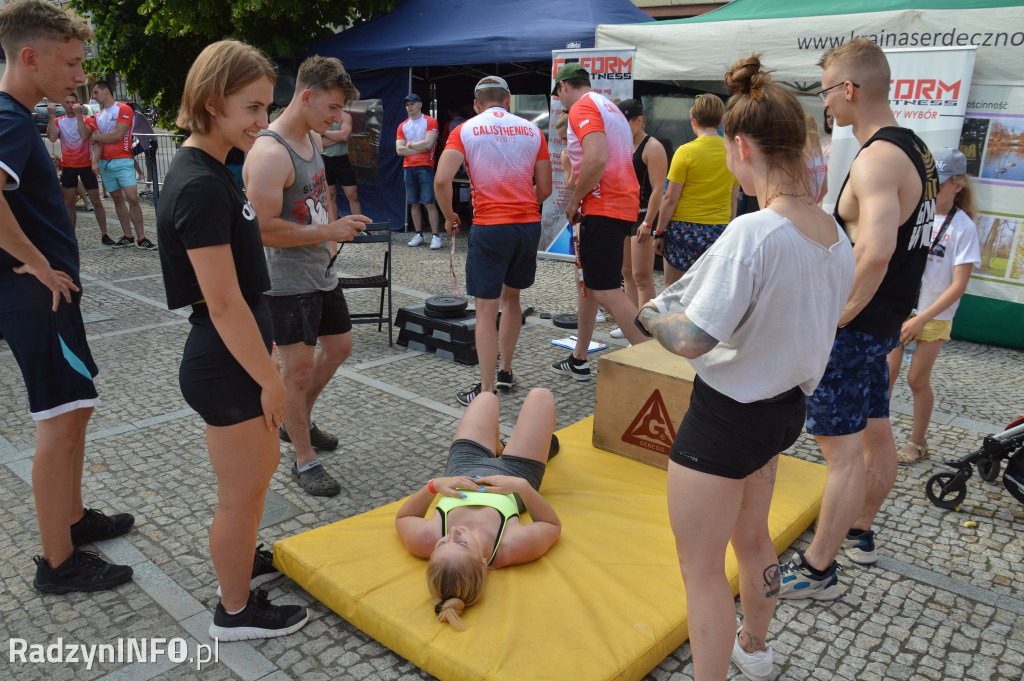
{"x":642,"y":176}
{"x":897,"y":294}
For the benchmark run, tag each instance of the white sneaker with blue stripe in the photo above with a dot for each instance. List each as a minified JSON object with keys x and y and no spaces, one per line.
{"x":799,"y":582}
{"x":861,"y":548}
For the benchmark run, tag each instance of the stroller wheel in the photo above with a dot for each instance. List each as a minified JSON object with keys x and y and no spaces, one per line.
{"x":988,"y":469}
{"x":946,"y":490}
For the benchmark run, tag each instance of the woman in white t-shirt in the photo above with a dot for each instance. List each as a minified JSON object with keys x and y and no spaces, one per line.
{"x":953,"y":255}
{"x":756,"y":315}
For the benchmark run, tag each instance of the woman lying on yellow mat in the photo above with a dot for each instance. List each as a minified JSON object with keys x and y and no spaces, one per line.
{"x":475,"y":526}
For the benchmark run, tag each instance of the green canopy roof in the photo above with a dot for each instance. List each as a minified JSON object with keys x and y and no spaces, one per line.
{"x":788,"y":9}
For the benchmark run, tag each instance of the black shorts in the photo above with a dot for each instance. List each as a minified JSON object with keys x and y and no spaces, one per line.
{"x":52,"y":353}
{"x":469,"y":457}
{"x":731,"y":439}
{"x":305,"y":317}
{"x":601,"y":251}
{"x":69,"y":178}
{"x":339,"y":170}
{"x":211,"y":379}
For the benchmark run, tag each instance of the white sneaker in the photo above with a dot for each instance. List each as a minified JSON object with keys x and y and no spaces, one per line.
{"x":756,"y":666}
{"x":617,"y":333}
{"x":600,"y":318}
{"x":435,"y":242}
{"x":416,"y":240}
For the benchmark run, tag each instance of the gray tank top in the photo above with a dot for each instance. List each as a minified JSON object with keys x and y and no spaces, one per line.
{"x":339,"y":149}
{"x":302,"y":269}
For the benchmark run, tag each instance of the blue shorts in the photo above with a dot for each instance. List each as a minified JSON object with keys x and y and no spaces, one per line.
{"x":118,"y":173}
{"x":855,"y":386}
{"x":501,"y":255}
{"x":687,"y":241}
{"x":419,"y":185}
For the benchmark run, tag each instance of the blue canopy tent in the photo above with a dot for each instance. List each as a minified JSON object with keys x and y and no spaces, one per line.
{"x":392,"y":54}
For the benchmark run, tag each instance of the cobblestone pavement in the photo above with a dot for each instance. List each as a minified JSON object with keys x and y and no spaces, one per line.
{"x":944,"y":602}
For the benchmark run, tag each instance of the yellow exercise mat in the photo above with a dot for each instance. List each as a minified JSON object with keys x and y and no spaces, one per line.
{"x":605,"y":603}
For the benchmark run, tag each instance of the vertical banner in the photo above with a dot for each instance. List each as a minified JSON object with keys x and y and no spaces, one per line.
{"x":993,"y":142}
{"x":928,"y":94}
{"x":611,"y":74}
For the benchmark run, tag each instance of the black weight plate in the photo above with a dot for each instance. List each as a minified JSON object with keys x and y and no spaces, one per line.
{"x":564,"y":321}
{"x":446,"y":304}
{"x":445,"y":314}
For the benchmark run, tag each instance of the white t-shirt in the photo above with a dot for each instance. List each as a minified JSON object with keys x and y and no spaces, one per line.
{"x":959,"y":246}
{"x":773,"y":298}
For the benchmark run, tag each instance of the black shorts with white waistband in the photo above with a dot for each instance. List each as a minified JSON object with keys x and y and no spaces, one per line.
{"x":731,"y":439}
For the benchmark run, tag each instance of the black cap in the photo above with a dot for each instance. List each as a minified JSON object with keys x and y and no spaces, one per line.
{"x":413,"y":97}
{"x":631,"y":108}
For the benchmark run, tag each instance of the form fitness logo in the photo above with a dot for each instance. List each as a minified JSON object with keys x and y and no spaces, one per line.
{"x":652,"y":428}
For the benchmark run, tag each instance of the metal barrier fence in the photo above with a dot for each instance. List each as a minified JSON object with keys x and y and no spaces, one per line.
{"x":158,"y":152}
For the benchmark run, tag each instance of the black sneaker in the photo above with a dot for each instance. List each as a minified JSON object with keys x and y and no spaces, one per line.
{"x":263,"y":569}
{"x":107,"y":241}
{"x":259,"y":619}
{"x":124,"y":241}
{"x":467,"y":396}
{"x":96,"y":526}
{"x":570,"y":366}
{"x":319,"y":440}
{"x":82,"y":571}
{"x":146,"y":245}
{"x":316,"y":481}
{"x":505,"y":380}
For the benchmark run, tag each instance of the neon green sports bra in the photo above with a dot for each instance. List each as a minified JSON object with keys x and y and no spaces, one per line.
{"x":504,"y":504}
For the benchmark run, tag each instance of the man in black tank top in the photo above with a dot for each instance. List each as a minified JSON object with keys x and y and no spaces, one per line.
{"x":887,"y":206}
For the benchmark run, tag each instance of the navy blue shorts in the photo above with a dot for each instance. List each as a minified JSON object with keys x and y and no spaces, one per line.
{"x":52,"y":353}
{"x":687,"y":241}
{"x":419,"y":185}
{"x":501,"y":254}
{"x":855,"y":386}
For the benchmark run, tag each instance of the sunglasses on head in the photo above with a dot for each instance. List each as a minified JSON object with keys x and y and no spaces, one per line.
{"x":341,"y":80}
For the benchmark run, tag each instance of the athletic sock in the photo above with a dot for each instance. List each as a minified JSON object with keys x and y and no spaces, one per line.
{"x":306,"y":466}
{"x":856,"y":534}
{"x":236,"y":611}
{"x":815,"y":571}
{"x":578,"y":362}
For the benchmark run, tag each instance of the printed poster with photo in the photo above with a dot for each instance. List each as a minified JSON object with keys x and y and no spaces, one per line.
{"x":993,"y":142}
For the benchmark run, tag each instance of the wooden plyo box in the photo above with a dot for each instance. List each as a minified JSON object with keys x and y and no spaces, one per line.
{"x":642,"y":394}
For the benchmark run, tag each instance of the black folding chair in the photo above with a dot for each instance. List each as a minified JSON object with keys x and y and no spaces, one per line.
{"x":375,"y":233}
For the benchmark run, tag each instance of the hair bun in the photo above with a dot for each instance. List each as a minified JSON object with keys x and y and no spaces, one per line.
{"x":747,"y":78}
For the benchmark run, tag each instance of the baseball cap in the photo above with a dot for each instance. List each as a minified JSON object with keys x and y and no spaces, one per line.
{"x":949,"y":162}
{"x":491,"y":82}
{"x":570,"y":71}
{"x":413,"y":97}
{"x":631,"y":108}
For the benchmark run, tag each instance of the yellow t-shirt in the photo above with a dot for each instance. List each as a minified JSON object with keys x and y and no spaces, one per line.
{"x":707,"y":183}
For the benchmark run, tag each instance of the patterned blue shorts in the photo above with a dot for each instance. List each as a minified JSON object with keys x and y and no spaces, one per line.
{"x":855,"y":386}
{"x":686,"y":241}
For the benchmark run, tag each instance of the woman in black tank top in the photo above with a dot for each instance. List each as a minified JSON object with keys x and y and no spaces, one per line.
{"x":650,"y":161}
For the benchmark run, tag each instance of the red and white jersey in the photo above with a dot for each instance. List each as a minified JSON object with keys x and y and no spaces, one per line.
{"x":107,"y":120}
{"x":617,"y":194}
{"x":501,"y":151}
{"x":416,"y":131}
{"x":75,"y":152}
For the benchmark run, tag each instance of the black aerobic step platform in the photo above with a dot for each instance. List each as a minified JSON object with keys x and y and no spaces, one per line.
{"x":452,"y":339}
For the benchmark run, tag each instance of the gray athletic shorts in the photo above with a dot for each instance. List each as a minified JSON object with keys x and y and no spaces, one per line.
{"x":467,"y":457}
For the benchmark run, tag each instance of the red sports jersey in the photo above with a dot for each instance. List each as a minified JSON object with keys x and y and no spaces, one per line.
{"x":75,"y":152}
{"x":107,"y":120}
{"x":416,"y":131}
{"x":501,"y":151}
{"x":617,"y":194}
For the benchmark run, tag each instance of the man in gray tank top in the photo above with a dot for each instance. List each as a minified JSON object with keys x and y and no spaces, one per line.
{"x":339,"y":169}
{"x":286,"y":184}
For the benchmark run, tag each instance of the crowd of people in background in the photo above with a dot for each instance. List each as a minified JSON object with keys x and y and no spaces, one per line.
{"x":783,"y":285}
